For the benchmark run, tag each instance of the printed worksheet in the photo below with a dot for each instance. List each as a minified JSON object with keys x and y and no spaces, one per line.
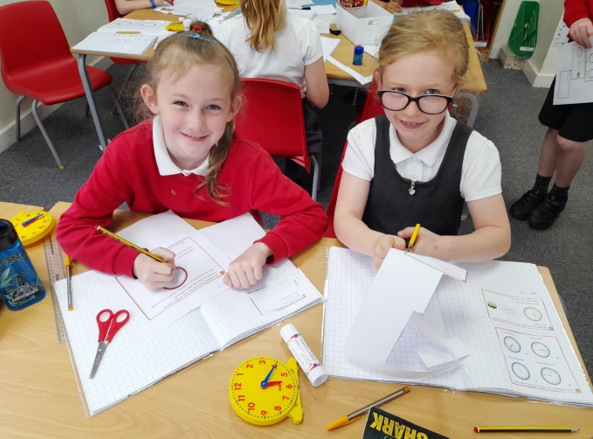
{"x":574,"y":74}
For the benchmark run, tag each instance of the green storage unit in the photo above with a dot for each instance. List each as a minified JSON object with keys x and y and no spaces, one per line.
{"x":524,"y":34}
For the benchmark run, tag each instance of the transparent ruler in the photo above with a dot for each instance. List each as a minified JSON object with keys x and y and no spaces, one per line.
{"x":54,"y":258}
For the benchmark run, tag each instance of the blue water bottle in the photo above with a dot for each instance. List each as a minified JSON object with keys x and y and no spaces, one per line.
{"x":19,"y":284}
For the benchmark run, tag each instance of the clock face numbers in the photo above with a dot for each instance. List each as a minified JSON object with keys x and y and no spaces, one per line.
{"x":32,"y":226}
{"x":263,"y":406}
{"x":512,"y":344}
{"x":551,"y":376}
{"x":533,"y":314}
{"x":520,"y":371}
{"x":540,"y":349}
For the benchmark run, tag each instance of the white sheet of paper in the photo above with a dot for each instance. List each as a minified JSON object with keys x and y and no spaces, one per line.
{"x":131,"y":44}
{"x":433,"y":355}
{"x":322,"y":24}
{"x":297,"y":4}
{"x":362,"y":79}
{"x":574,"y":74}
{"x":329,"y":45}
{"x":447,"y":268}
{"x":306,"y":13}
{"x":277,"y":296}
{"x":324,"y":9}
{"x":147,"y":27}
{"x":402,"y":285}
{"x":200,"y":269}
{"x":197,"y":9}
{"x":372,"y":49}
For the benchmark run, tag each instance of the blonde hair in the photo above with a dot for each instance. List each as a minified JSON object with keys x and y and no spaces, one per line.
{"x":439,"y":32}
{"x":174,"y":57}
{"x":263,"y":18}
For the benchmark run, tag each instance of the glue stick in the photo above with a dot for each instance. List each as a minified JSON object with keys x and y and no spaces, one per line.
{"x":186,"y":24}
{"x":306,"y":359}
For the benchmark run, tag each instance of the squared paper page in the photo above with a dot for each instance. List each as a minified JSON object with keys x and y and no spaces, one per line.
{"x":349,"y":278}
{"x":517,"y":290}
{"x":458,"y":309}
{"x":232,"y":315}
{"x":135,"y":359}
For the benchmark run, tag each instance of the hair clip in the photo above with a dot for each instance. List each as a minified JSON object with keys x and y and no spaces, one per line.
{"x":197,"y":27}
{"x":199,"y":37}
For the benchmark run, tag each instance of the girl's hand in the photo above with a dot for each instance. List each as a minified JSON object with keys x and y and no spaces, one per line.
{"x":581,"y":30}
{"x":383,"y":245}
{"x":246,"y":270}
{"x":427,"y":243}
{"x":159,"y":2}
{"x":153,"y":274}
{"x":394,"y":6}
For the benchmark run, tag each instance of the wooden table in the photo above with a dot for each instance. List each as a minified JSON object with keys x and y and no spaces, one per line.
{"x":474,"y":81}
{"x":39,"y":397}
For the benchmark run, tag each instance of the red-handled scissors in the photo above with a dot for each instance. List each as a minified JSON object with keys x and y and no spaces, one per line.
{"x":109,"y":325}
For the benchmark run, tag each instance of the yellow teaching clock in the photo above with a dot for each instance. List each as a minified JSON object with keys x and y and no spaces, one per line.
{"x":32,"y":226}
{"x":263,"y":391}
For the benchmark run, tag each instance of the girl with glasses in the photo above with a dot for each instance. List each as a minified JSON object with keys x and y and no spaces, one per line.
{"x":415,"y":164}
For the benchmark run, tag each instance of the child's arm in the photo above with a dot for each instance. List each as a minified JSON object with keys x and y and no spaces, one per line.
{"x":126,"y":6}
{"x":316,"y":80}
{"x":350,"y":230}
{"x":153,"y":274}
{"x":491,"y":238}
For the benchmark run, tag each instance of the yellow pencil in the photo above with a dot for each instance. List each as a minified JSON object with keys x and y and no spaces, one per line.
{"x":414,"y":235}
{"x":129,"y":244}
{"x":525,"y":429}
{"x":68,"y":265}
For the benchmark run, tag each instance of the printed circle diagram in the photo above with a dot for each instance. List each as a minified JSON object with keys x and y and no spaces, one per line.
{"x":540,"y":349}
{"x":520,"y":371}
{"x":512,"y":344}
{"x":551,"y":376}
{"x":533,"y":314}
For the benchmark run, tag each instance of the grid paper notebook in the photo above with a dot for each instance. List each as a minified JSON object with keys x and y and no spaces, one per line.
{"x":503,"y":313}
{"x":135,"y":360}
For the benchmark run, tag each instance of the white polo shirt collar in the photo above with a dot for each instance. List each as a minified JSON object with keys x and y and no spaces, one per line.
{"x":429,"y":155}
{"x":163,"y":159}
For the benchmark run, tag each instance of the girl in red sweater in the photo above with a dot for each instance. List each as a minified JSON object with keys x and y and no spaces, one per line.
{"x":187,"y":159}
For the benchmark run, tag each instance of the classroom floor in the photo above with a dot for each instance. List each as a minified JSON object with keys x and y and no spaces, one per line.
{"x":507,"y":116}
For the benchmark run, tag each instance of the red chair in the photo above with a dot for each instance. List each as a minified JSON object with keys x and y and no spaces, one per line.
{"x":273,"y":117}
{"x":113,"y":13}
{"x":331,"y":207}
{"x":38,"y":64}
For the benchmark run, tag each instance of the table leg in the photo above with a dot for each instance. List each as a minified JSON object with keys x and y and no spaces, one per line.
{"x":88,"y":90}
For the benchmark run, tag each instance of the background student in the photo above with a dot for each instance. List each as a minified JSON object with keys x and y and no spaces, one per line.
{"x":267,"y":42}
{"x":563,"y":147}
{"x":187,"y":159}
{"x":415,"y":163}
{"x":126,"y":6}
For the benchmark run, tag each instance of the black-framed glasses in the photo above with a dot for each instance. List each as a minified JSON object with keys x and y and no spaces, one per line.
{"x":428,"y":104}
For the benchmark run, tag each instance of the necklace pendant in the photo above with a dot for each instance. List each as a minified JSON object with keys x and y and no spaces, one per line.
{"x":411,"y":190}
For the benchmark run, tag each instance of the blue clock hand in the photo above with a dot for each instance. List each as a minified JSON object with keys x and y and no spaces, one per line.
{"x":264,"y":383}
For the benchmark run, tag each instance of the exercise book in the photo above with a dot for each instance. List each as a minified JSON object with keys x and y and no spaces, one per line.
{"x":137,"y":358}
{"x":503,"y":313}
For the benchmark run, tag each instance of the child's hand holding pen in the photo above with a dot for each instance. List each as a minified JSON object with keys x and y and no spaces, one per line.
{"x":427,"y":243}
{"x":384,"y":244}
{"x":153,"y":274}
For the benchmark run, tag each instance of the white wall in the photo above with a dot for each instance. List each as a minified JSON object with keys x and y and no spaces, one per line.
{"x":541,"y":67}
{"x":78,"y":18}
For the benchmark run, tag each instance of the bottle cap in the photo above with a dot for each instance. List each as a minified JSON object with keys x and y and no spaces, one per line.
{"x":288,"y":331}
{"x":358,"y":50}
{"x":8,"y":235}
